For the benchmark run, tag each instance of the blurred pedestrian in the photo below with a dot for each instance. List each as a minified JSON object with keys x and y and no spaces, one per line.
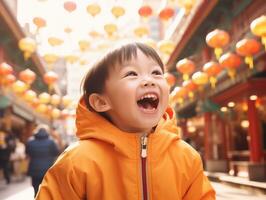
{"x":7,"y":146}
{"x":42,"y":152}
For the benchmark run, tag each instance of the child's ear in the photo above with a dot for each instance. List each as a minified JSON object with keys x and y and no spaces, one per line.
{"x":99,"y":103}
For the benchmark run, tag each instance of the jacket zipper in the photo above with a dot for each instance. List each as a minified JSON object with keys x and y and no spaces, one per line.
{"x":144,"y":142}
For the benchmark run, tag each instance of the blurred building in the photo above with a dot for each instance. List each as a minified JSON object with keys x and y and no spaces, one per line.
{"x":222,"y":108}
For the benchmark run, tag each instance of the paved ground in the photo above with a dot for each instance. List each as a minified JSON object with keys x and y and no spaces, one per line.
{"x":23,"y":191}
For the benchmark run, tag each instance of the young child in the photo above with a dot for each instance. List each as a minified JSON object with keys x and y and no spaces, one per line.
{"x":128,"y":148}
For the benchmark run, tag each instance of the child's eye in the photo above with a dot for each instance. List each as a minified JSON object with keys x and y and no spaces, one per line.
{"x":157,"y":72}
{"x":131,"y":73}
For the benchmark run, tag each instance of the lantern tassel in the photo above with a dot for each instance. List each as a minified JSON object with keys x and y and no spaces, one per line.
{"x":249,"y":61}
{"x":231,"y":73}
{"x":191,"y":95}
{"x":213,"y":81}
{"x":185,"y":77}
{"x":218,"y":52}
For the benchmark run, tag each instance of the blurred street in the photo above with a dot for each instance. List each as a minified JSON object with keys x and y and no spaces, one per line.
{"x":24,"y":191}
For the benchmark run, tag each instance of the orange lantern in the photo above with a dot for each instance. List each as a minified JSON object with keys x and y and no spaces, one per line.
{"x":166,"y":13}
{"x":28,"y":46}
{"x":217,"y":39}
{"x":258,"y":28}
{"x":248,"y":48}
{"x":231,"y":62}
{"x":64,"y":113}
{"x":84,"y":45}
{"x":39,"y":22}
{"x":50,"y":59}
{"x":71,"y":58}
{"x":35,"y":102}
{"x":186,"y":67}
{"x":110,"y":29}
{"x":42,"y":108}
{"x":188,"y":5}
{"x":170,"y":78}
{"x":141,"y":31}
{"x":70,"y":6}
{"x":66,"y":101}
{"x":67,"y":30}
{"x":93,"y":9}
{"x":200,"y":78}
{"x":44,"y":98}
{"x":190,"y":86}
{"x":150,"y":42}
{"x":29,"y":95}
{"x":118,"y":11}
{"x":5,"y":69}
{"x":178,"y":95}
{"x":8,"y":80}
{"x":212,"y":69}
{"x":27,"y":76}
{"x":50,"y":78}
{"x":55,"y":113}
{"x":145,"y":11}
{"x":19,"y":87}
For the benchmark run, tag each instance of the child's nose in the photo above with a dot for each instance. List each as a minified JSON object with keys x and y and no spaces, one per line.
{"x":147,"y":82}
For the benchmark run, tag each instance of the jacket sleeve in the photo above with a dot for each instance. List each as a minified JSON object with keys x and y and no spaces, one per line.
{"x":61,"y":182}
{"x":200,"y":187}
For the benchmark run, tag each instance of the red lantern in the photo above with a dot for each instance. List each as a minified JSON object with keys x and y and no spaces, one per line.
{"x":217,"y":39}
{"x":166,"y":13}
{"x":5,"y":69}
{"x":50,"y":78}
{"x":145,"y":11}
{"x":190,"y":86}
{"x":248,"y":48}
{"x":70,"y":6}
{"x":212,"y":69}
{"x":186,"y":67}
{"x":231,"y":62}
{"x":27,"y":76}
{"x":8,"y":80}
{"x":39,"y":22}
{"x":170,"y":78}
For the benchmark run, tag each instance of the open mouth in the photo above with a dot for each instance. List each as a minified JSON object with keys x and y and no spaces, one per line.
{"x":148,"y":102}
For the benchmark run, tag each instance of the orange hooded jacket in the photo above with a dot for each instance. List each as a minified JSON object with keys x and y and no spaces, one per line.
{"x":106,"y":164}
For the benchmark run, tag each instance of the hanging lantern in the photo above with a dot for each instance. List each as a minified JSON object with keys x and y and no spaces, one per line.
{"x":166,"y":13}
{"x":110,"y":29}
{"x":118,"y":11}
{"x":54,"y":41}
{"x":28,"y":46}
{"x":27,"y":76}
{"x":42,"y":108}
{"x":64,"y":113}
{"x":35,"y":103}
{"x":212,"y":69}
{"x":190,"y":86}
{"x":5,"y":69}
{"x":55,"y":99}
{"x":50,"y":59}
{"x":186,"y":67}
{"x":141,"y":31}
{"x":70,"y":6}
{"x":166,"y":46}
{"x":39,"y":22}
{"x":145,"y":11}
{"x":187,"y":5}
{"x":178,"y":95}
{"x":55,"y":113}
{"x":231,"y":62}
{"x":93,"y":9}
{"x":84,"y":45}
{"x":67,"y":30}
{"x":170,"y":78}
{"x":150,"y":42}
{"x":248,"y":48}
{"x":71,"y":58}
{"x":258,"y":28}
{"x":19,"y":87}
{"x":217,"y":39}
{"x":50,"y":79}
{"x":200,"y":78}
{"x":8,"y":80}
{"x":66,"y":101}
{"x":44,"y":98}
{"x":29,"y":95}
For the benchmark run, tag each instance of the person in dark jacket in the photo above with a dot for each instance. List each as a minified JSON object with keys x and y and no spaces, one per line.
{"x":42,"y":152}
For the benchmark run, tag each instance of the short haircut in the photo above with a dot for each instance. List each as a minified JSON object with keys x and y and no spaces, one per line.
{"x":94,"y":81}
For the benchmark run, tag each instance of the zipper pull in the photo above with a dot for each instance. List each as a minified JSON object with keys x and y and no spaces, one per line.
{"x":144,"y":141}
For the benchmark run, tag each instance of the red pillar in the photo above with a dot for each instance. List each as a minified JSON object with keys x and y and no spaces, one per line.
{"x":207,"y":133}
{"x":254,"y":133}
{"x":224,"y":138}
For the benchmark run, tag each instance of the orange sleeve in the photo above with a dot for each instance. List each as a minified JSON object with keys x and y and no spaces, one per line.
{"x":200,"y":187}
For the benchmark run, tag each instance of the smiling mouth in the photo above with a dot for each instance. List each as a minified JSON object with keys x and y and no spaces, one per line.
{"x":148,"y":102}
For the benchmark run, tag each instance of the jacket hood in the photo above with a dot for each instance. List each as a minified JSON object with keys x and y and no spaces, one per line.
{"x":91,"y":125}
{"x":41,"y":134}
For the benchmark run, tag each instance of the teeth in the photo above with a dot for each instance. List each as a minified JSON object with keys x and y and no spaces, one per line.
{"x":151,"y":96}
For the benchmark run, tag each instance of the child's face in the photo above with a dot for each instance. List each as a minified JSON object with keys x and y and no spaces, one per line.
{"x":137,"y":94}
